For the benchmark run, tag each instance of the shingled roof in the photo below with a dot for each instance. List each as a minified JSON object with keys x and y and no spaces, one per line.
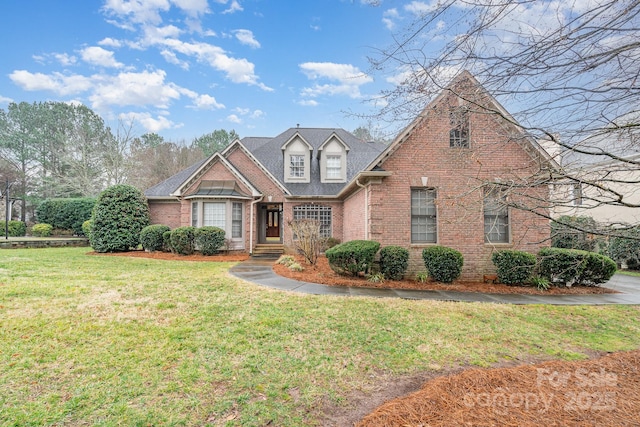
{"x":268,"y":151}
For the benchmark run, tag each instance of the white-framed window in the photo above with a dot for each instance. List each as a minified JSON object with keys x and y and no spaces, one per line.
{"x":296,"y":166}
{"x":496,"y":217}
{"x":213,"y":214}
{"x":320,"y":213}
{"x":334,"y":167}
{"x":423,"y":216}
{"x":236,"y":220}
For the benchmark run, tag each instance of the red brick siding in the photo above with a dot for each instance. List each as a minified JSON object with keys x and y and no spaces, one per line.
{"x":165,"y":212}
{"x":354,"y":224}
{"x":456,"y":174}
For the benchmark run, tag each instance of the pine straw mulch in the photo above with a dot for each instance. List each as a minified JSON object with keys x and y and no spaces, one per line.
{"x":597,"y":392}
{"x":168,"y":256}
{"x":323,"y":274}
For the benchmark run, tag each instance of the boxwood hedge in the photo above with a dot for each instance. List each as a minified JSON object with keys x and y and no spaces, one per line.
{"x":353,"y":257}
{"x":442,"y":263}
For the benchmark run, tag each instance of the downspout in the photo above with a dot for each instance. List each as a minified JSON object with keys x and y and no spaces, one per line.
{"x":253,"y":204}
{"x":366,"y":209}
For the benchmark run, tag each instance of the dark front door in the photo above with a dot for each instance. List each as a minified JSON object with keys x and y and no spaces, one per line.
{"x":273,"y":222}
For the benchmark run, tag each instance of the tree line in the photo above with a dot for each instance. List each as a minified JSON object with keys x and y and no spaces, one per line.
{"x":57,"y":150}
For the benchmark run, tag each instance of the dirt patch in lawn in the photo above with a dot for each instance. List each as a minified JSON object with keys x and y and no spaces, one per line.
{"x":600,"y":392}
{"x":221,"y":257}
{"x":322,"y":273}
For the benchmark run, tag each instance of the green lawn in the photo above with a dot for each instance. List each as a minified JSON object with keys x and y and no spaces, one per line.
{"x":96,"y":340}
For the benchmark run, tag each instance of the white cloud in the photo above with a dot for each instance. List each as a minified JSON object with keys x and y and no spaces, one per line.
{"x":206,"y":102}
{"x":348,"y":78}
{"x":150,"y":123}
{"x":420,"y":8}
{"x":136,"y":11}
{"x":234,"y":7}
{"x":234,"y":119}
{"x":246,"y":37}
{"x":192,"y":7}
{"x":108,"y":41}
{"x":389,"y":18}
{"x":257,"y":114}
{"x":308,"y":103}
{"x":144,"y":88}
{"x":96,"y":55}
{"x":5,"y":100}
{"x":236,"y":70}
{"x":55,"y":82}
{"x":172,"y":58}
{"x":65,"y":59}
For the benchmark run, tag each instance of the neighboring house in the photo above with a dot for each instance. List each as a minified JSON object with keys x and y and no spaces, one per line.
{"x":428,"y":187}
{"x":603,"y":185}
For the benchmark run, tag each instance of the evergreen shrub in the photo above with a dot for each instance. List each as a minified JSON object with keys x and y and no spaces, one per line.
{"x":41,"y":230}
{"x":575,"y":267}
{"x":16,"y":228}
{"x":209,"y":240}
{"x":442,"y":263}
{"x":66,"y":214}
{"x":394,"y":261}
{"x":183,"y":240}
{"x":353,"y":257}
{"x":151,"y":237}
{"x":513,"y":267}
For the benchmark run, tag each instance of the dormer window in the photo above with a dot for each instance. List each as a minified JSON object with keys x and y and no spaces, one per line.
{"x":296,"y":166}
{"x":334,"y":167}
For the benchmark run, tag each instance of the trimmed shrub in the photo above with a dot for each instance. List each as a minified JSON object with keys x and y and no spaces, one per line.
{"x":353,"y":257}
{"x":66,"y":214}
{"x":121,"y":212}
{"x":442,"y":263}
{"x":394,"y":261}
{"x":151,"y":237}
{"x":574,"y":267}
{"x":626,"y":251}
{"x":41,"y":230}
{"x":86,"y":228}
{"x":209,"y":240}
{"x":166,"y":242}
{"x":513,"y":267}
{"x":183,"y":240}
{"x":16,"y":228}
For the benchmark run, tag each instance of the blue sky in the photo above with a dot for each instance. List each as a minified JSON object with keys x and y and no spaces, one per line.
{"x":182,"y":68}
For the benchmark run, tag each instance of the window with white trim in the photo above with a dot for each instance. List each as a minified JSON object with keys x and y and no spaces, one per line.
{"x":423,"y":215}
{"x":320,"y":213}
{"x":194,"y":214}
{"x":334,"y":167}
{"x":296,"y":166}
{"x":213,"y":214}
{"x":496,"y":217}
{"x":236,"y":220}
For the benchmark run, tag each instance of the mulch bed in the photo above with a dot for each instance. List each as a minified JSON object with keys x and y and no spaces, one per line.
{"x":322,"y":273}
{"x":598,"y":392}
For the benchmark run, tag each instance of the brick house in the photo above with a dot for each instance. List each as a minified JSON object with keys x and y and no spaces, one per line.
{"x":429,"y":186}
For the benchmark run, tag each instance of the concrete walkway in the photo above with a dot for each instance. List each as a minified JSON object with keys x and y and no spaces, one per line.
{"x":260,"y":271}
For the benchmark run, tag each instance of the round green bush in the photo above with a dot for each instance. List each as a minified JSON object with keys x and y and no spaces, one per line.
{"x":16,"y":228}
{"x":182,"y":240}
{"x":166,"y":242}
{"x":513,"y":267}
{"x":442,"y":263}
{"x":626,"y":250}
{"x":394,"y":261}
{"x":41,"y":230}
{"x":575,"y":267}
{"x":209,"y":240}
{"x":353,"y":257}
{"x":151,"y":237}
{"x":121,"y":212}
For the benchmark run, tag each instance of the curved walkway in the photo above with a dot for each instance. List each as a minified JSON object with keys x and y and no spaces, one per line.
{"x":260,"y":271}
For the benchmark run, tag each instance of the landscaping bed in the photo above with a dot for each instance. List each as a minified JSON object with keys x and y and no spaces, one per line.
{"x":323,"y":274}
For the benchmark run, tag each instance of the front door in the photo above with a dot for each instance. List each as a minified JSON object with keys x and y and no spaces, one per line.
{"x":273,"y":222}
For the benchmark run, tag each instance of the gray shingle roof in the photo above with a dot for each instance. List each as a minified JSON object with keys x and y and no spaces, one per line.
{"x":268,"y":151}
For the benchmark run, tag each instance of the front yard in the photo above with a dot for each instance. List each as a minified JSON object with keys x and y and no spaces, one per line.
{"x":101,"y":340}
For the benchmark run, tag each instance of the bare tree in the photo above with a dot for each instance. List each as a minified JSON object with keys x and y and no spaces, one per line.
{"x":309,"y":241}
{"x":568,"y":72}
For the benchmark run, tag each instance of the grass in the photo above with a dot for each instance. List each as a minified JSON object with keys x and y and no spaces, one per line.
{"x":121,"y":341}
